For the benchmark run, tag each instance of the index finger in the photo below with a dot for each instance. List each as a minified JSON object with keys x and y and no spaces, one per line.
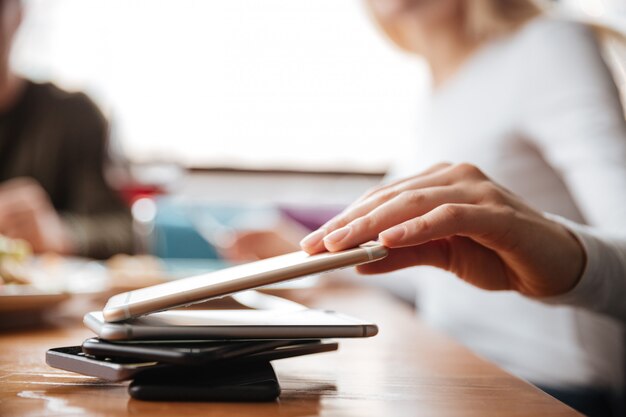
{"x":313,"y":243}
{"x":380,"y":195}
{"x":405,"y":206}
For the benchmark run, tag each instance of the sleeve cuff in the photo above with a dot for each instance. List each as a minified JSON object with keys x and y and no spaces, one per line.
{"x":590,"y":280}
{"x":602,"y":286}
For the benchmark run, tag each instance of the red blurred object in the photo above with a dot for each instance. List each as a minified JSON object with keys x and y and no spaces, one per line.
{"x":133,"y":192}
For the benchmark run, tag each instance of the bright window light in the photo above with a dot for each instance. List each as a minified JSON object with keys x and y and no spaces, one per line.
{"x":296,"y":84}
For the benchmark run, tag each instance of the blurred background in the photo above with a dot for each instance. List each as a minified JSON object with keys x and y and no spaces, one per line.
{"x":218,"y":109}
{"x":237,"y":84}
{"x":148,"y":140}
{"x":275,"y":84}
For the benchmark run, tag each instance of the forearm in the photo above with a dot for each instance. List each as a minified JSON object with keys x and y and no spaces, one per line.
{"x":100,"y":235}
{"x":602,"y":287}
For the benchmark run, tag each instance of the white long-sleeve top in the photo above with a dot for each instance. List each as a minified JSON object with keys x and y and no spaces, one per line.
{"x":539,"y":113}
{"x":602,"y":286}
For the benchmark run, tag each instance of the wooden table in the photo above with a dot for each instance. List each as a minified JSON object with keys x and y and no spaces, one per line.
{"x":408,"y":369}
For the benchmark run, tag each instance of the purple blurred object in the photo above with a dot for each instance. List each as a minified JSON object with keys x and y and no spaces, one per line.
{"x":310,"y":217}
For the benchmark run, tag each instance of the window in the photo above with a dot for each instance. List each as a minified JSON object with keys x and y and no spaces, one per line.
{"x":243,"y":83}
{"x":295,"y":84}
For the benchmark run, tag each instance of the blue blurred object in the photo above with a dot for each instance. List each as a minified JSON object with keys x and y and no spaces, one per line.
{"x":175,"y":236}
{"x":190,"y":229}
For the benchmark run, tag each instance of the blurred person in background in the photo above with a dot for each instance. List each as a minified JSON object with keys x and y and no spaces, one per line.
{"x":53,"y":154}
{"x":529,"y":100}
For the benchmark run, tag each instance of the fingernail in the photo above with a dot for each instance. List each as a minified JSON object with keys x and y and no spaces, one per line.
{"x":312,"y":239}
{"x":338,"y":235}
{"x":393,"y":235}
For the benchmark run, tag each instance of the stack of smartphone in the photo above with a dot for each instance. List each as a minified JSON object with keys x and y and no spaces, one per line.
{"x":211,"y":355}
{"x":187,"y":370}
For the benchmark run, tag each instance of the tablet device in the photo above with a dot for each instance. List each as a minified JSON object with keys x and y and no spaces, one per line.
{"x":232,"y":325}
{"x":220,"y":283}
{"x":181,"y":353}
{"x":253,"y":382}
{"x":73,"y":359}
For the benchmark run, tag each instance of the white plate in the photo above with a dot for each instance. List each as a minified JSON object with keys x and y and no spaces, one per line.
{"x":21,"y":298}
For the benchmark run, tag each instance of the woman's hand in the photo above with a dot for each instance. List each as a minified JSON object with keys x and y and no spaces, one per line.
{"x":455,"y":218}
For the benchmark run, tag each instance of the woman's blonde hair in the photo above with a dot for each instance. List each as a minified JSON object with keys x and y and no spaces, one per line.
{"x":613,"y":43}
{"x":485,"y":19}
{"x":482,"y":19}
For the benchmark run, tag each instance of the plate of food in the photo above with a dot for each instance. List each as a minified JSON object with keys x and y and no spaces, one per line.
{"x":18,"y":293}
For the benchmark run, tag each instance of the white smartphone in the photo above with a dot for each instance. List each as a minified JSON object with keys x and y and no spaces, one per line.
{"x":232,"y":324}
{"x":227,"y":281}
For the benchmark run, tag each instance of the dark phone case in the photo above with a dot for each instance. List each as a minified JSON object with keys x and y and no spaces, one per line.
{"x":73,"y":359}
{"x":234,"y":382}
{"x":180,"y":353}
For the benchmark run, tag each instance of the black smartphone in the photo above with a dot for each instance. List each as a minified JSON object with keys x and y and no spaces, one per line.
{"x":180,"y":352}
{"x":234,"y":382}
{"x":72,"y":358}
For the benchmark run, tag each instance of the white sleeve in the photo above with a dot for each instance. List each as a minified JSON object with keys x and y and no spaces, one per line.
{"x":602,"y":287}
{"x":572,"y":113}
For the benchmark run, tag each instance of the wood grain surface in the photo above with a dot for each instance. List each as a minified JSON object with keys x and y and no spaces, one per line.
{"x":407,"y":370}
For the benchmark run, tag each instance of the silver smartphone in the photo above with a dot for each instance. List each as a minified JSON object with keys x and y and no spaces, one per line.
{"x":227,"y":281}
{"x":232,"y":324}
